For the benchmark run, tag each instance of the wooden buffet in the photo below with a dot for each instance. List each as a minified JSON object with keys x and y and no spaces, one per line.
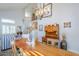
{"x":41,"y":50}
{"x":51,"y":34}
{"x":52,"y":31}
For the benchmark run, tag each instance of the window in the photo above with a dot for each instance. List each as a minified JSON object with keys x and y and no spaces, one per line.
{"x":7,"y":21}
{"x":12,"y":29}
{"x":8,"y":26}
{"x":8,"y":29}
{"x":3,"y":29}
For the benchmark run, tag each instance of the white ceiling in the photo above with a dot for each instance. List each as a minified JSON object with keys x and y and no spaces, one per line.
{"x":5,"y":6}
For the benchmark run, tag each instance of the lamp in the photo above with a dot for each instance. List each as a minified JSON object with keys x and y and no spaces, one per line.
{"x":39,"y":13}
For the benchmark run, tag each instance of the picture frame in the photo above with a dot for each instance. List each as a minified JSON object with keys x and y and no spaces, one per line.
{"x":34,"y":17}
{"x":19,"y":28}
{"x":40,"y":27}
{"x":35,"y":25}
{"x":67,"y":24}
{"x":47,"y":10}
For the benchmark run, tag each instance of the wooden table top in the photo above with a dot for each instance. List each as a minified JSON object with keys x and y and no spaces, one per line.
{"x":42,"y":50}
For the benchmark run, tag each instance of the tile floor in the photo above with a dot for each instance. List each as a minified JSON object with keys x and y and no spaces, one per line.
{"x":6,"y":53}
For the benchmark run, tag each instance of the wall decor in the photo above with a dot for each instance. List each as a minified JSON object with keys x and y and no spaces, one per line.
{"x":33,"y":17}
{"x":47,"y":10}
{"x":40,"y":27}
{"x":67,"y":24}
{"x":35,"y":25}
{"x":19,"y":29}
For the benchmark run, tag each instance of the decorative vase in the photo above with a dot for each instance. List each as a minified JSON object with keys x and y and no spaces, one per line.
{"x":63,"y":42}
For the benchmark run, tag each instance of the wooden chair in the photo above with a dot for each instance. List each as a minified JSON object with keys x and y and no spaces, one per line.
{"x":13,"y":48}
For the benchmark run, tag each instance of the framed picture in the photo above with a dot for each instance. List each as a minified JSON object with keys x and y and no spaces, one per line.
{"x":47,"y":10}
{"x":19,"y":29}
{"x":40,"y":27}
{"x":67,"y":24}
{"x":33,"y":17}
{"x":35,"y":25}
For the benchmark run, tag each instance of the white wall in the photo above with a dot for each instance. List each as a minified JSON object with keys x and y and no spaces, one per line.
{"x":16,"y":15}
{"x":62,"y":13}
{"x":26,"y":24}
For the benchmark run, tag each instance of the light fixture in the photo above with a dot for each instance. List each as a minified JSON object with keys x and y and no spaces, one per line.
{"x":26,"y":14}
{"x":44,"y":11}
{"x":39,"y":12}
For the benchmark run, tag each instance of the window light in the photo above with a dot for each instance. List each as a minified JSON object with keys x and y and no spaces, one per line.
{"x":7,"y":21}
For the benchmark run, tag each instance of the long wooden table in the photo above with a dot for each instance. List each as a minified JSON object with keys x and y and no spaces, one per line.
{"x":41,"y":50}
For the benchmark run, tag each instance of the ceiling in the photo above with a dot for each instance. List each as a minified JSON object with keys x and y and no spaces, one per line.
{"x":8,"y":6}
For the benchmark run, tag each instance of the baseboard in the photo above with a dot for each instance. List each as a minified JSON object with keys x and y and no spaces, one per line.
{"x":5,"y":49}
{"x":73,"y":51}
